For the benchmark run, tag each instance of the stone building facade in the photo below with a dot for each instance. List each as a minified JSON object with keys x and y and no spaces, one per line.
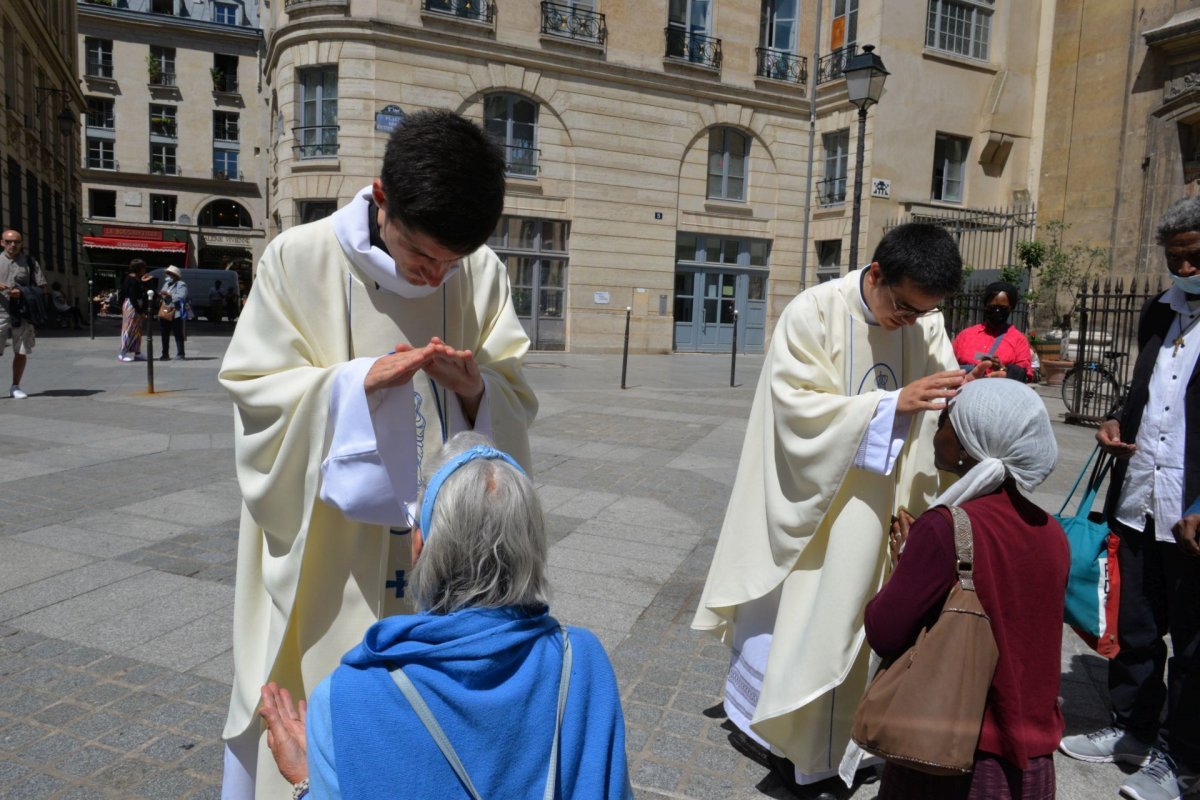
{"x":1123,"y":140}
{"x":173,"y":136}
{"x":668,"y":158}
{"x":39,"y":181}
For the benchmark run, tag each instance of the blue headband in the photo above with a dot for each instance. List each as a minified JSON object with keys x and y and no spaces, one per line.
{"x":449,"y":468}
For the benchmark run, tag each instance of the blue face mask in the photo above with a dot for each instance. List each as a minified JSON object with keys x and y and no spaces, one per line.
{"x":1190,"y":284}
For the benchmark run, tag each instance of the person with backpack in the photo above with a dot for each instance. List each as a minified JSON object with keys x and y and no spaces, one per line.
{"x":21,"y":285}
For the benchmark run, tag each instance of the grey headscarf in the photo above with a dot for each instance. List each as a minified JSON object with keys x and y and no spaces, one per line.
{"x":1005,"y":427}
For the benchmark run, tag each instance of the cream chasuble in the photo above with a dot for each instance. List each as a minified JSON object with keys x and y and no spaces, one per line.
{"x":309,"y":580}
{"x":803,"y":545}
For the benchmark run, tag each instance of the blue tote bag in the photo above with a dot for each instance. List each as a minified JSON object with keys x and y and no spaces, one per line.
{"x":1093,"y":588}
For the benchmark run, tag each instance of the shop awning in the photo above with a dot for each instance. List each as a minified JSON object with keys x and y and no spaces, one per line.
{"x":114,"y":243}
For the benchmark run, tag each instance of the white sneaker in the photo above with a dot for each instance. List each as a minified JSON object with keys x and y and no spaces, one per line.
{"x":16,"y":394}
{"x":126,"y":359}
{"x":1161,"y":778}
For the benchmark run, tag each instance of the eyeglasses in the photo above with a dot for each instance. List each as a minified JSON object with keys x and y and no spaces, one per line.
{"x":12,"y":241}
{"x":905,"y":311}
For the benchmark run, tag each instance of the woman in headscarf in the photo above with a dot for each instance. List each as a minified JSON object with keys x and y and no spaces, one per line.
{"x":527,"y":707}
{"x":996,"y":436}
{"x":996,"y":338}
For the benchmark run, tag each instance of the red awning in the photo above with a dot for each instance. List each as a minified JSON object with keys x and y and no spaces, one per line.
{"x":112,"y":243}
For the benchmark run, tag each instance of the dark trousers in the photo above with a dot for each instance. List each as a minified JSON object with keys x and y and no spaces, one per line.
{"x":175,"y":326}
{"x":1160,"y":595}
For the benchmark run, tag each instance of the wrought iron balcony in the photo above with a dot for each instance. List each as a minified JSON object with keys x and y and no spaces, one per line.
{"x":831,"y":191}
{"x":162,"y":79}
{"x":227,"y":175}
{"x":694,"y":47}
{"x":573,"y":23}
{"x":782,"y":65}
{"x":99,"y":67}
{"x":477,"y":10}
{"x":521,"y":161}
{"x":829,"y":67}
{"x":316,"y":141}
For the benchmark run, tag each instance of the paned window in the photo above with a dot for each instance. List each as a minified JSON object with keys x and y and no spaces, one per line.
{"x":225,"y":164}
{"x":512,"y":119}
{"x":832,"y":189}
{"x":778,"y":24}
{"x":949,"y":159}
{"x":962,"y":27}
{"x":317,"y":134}
{"x":224,"y":73}
{"x":535,"y":252}
{"x":100,"y":113}
{"x":161,"y":65}
{"x":99,"y":59}
{"x":728,"y":150}
{"x":313,"y":210}
{"x":162,"y":207}
{"x":225,"y":14}
{"x":829,"y":259}
{"x":100,"y":153}
{"x":225,"y":126}
{"x":162,"y":159}
{"x":162,"y":122}
{"x":843,"y":28}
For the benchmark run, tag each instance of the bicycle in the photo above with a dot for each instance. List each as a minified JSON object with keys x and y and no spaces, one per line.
{"x":1099,"y":393}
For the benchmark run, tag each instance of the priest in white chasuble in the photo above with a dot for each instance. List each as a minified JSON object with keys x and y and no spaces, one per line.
{"x":838,"y":440}
{"x":368,"y":339}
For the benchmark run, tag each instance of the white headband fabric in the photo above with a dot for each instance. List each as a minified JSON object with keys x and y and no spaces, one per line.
{"x":1003,"y":425}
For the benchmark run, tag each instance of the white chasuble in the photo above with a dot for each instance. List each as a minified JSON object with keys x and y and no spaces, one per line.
{"x":803,"y":545}
{"x":310,"y":581}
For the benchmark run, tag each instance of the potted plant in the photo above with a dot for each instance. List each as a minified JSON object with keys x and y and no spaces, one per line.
{"x":154,"y":68}
{"x":218,"y":79}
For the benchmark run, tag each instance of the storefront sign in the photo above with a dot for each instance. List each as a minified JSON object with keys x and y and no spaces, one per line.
{"x":144,"y":234}
{"x":221,"y":240}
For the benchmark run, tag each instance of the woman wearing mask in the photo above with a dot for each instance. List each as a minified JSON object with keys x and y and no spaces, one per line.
{"x":995,"y":338}
{"x":175,"y":295}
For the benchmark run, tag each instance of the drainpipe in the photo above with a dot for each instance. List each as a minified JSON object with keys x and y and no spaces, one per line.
{"x":812,"y":136}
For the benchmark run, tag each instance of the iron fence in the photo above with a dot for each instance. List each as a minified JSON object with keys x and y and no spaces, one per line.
{"x":986,"y":237}
{"x":831,"y":65}
{"x":694,"y":47}
{"x":573,"y":23}
{"x":964,"y":309}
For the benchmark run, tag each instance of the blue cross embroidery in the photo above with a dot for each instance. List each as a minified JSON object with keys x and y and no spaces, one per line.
{"x":398,"y":584}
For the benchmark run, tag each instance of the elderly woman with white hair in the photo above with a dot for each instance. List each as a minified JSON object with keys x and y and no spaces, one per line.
{"x":482,"y":693}
{"x":996,"y":436}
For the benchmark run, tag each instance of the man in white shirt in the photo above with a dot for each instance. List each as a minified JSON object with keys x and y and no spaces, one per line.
{"x":1152,"y":507}
{"x":19,"y":273}
{"x":369,"y":338}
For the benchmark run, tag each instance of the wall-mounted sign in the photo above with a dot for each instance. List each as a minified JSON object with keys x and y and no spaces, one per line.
{"x":601,"y":298}
{"x":881,"y":187}
{"x":388,"y":118}
{"x":658,"y":215}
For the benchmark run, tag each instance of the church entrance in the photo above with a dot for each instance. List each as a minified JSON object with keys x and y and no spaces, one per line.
{"x":716,"y":276}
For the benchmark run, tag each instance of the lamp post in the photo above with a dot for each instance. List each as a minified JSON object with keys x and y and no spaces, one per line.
{"x":864,"y":75}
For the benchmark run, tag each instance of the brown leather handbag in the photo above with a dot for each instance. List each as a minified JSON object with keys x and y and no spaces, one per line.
{"x":924,"y":709}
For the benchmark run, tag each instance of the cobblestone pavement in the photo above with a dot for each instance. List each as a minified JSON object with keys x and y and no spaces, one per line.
{"x":117,"y":545}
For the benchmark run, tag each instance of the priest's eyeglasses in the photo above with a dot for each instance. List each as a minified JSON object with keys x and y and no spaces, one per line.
{"x":905,"y":311}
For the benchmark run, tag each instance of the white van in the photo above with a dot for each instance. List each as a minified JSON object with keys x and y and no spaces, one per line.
{"x":200,"y":282}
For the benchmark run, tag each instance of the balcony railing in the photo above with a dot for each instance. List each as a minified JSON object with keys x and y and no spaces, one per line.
{"x":477,"y":10}
{"x":103,"y":122}
{"x":227,"y":175}
{"x":316,"y":141}
{"x":225,"y":82}
{"x":831,"y":191}
{"x":829,"y":67}
{"x":100,"y":162}
{"x":99,"y":67}
{"x":694,"y":47}
{"x":521,"y":161}
{"x":782,"y":65}
{"x":167,"y":130}
{"x":226,"y":137}
{"x":163,"y":79}
{"x":161,"y":168}
{"x":573,"y":23}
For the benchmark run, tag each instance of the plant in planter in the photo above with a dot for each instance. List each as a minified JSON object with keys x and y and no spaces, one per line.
{"x":218,"y":79}
{"x":154,"y":69}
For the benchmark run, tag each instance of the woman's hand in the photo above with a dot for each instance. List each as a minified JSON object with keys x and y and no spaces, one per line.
{"x":898,"y":534}
{"x":285,"y":732}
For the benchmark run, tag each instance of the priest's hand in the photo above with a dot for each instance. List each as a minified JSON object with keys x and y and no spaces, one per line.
{"x":1187,"y":534}
{"x":930,"y":393}
{"x":457,"y":371}
{"x":396,"y":368}
{"x":1109,"y":439}
{"x":285,"y":732}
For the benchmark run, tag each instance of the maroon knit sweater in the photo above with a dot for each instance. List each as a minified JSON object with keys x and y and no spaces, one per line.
{"x":1021,"y":564}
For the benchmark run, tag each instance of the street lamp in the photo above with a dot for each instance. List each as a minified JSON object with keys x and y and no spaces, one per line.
{"x":66,"y":117}
{"x":864,"y":75}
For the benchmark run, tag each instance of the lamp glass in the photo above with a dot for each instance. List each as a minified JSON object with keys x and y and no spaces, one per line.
{"x":66,"y":121}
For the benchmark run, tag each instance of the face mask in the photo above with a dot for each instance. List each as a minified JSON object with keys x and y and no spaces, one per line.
{"x":1190,"y":284}
{"x":996,"y":316}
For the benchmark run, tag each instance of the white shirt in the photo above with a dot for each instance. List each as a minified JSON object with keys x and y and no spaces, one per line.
{"x":1154,"y":480}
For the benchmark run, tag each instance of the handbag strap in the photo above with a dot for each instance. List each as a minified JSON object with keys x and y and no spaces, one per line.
{"x":1092,"y":481}
{"x":964,"y":548}
{"x":410,"y":692}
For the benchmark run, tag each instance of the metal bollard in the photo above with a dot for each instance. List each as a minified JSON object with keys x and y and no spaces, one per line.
{"x":150,"y":331}
{"x":733,"y":353}
{"x":91,"y":311}
{"x":625,"y":356}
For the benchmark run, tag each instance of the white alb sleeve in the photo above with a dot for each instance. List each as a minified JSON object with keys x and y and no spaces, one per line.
{"x":884,"y":437}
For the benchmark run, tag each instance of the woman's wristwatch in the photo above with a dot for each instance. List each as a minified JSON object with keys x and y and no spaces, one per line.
{"x":300,"y":789}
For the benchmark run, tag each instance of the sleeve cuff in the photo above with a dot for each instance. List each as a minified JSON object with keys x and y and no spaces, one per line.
{"x":884,"y":437}
{"x":458,"y":423}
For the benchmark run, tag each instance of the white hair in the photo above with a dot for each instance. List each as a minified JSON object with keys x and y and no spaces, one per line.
{"x":487,"y":546}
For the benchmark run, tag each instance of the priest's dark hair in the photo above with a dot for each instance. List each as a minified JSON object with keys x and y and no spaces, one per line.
{"x":923,"y":253}
{"x":444,"y":176}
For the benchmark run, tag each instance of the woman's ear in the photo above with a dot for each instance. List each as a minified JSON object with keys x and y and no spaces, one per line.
{"x":418,"y":543}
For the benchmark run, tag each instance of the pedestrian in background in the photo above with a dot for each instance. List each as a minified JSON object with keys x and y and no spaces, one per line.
{"x":996,"y":338}
{"x":1151,"y":506}
{"x":174,"y":297}
{"x":133,"y":311}
{"x":20,"y":277}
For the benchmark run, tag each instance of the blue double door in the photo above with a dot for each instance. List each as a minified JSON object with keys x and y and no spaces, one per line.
{"x":705,"y":302}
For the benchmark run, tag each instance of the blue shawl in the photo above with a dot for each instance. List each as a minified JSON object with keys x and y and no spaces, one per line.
{"x":491,"y":677}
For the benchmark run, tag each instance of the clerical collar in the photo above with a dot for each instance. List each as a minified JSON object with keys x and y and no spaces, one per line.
{"x":862,"y":296}
{"x":373,"y":227}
